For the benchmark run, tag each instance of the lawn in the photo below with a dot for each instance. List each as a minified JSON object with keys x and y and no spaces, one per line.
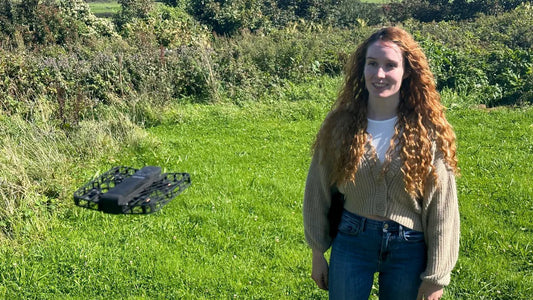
{"x":104,"y":9}
{"x":236,"y":232}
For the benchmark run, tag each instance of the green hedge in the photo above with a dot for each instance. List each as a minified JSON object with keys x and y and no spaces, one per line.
{"x":490,"y":60}
{"x":170,"y":56}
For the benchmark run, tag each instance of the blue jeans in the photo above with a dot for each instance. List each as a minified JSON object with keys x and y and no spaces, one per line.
{"x":363,"y":247}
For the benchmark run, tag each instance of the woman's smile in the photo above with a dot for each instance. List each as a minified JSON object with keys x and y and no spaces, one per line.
{"x":384,"y":70}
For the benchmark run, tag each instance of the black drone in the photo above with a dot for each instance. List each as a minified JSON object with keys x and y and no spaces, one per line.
{"x":125,"y":190}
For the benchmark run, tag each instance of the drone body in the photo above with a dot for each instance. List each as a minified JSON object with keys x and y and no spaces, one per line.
{"x":125,"y":190}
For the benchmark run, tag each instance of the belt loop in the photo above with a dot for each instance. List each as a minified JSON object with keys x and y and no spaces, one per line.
{"x":363,"y":223}
{"x":401,"y":231}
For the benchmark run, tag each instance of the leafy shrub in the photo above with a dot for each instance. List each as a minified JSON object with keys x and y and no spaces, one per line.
{"x":75,"y":77}
{"x":132,"y":10}
{"x":526,"y":97}
{"x":37,"y":23}
{"x":489,"y":66}
{"x":190,"y":71}
{"x":511,"y":29}
{"x":78,"y":18}
{"x":256,"y":63}
{"x":173,"y":58}
{"x":341,"y":13}
{"x":168,"y":55}
{"x":416,"y":9}
{"x":444,"y":10}
{"x":170,"y":2}
{"x":511,"y":70}
{"x":228,"y":16}
{"x":349,"y":13}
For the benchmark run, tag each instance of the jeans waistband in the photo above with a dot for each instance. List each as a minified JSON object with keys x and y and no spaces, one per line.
{"x":367,"y":223}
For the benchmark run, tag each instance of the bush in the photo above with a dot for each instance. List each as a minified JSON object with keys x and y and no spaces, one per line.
{"x":190,"y":71}
{"x":489,"y":64}
{"x":164,"y":56}
{"x":228,"y":17}
{"x":132,"y":10}
{"x":512,"y":71}
{"x":170,"y":56}
{"x":444,"y":10}
{"x":173,"y":57}
{"x":256,"y":63}
{"x":511,"y":29}
{"x":33,"y":24}
{"x":350,"y":13}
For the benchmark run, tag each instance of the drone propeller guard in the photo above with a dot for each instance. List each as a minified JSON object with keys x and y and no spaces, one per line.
{"x":126,"y":190}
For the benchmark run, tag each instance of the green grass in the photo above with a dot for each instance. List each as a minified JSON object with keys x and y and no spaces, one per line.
{"x":104,"y":9}
{"x":496,"y":198}
{"x":236,"y":232}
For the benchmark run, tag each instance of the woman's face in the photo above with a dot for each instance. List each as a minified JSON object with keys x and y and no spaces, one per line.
{"x":384,"y":71}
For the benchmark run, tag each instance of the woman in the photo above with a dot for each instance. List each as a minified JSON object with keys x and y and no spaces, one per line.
{"x":388,"y":148}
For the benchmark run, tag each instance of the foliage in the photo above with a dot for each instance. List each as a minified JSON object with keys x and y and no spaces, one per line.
{"x":228,"y":16}
{"x":76,"y":77}
{"x":72,"y":82}
{"x":490,"y":65}
{"x":250,"y":65}
{"x":170,"y":27}
{"x":80,"y":19}
{"x":170,"y":2}
{"x":444,"y":10}
{"x":168,"y":55}
{"x":131,"y":10}
{"x":349,"y":13}
{"x":32,"y":24}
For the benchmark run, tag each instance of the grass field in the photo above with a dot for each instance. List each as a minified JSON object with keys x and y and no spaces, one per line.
{"x":236,"y":232}
{"x":104,"y":9}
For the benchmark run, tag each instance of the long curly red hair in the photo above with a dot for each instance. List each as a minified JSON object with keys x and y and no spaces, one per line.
{"x":421,"y":118}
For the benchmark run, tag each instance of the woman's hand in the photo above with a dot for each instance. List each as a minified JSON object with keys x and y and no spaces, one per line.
{"x":320,"y":270}
{"x":429,"y":291}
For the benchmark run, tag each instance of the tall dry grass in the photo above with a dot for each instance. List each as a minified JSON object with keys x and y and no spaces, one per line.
{"x":38,"y":158}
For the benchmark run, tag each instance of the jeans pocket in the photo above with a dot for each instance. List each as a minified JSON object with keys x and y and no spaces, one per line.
{"x":413,"y":236}
{"x":349,"y":226}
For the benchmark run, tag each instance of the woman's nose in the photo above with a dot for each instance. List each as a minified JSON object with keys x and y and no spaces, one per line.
{"x":380,"y":72}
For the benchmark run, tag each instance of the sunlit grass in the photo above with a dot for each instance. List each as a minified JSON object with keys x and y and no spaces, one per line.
{"x":236,"y":232}
{"x":104,"y":9}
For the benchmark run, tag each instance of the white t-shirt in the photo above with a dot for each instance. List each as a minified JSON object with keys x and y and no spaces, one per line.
{"x":382,"y":132}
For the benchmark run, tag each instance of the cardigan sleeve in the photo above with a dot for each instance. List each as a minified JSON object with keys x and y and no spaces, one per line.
{"x":316,"y":204}
{"x":440,"y":219}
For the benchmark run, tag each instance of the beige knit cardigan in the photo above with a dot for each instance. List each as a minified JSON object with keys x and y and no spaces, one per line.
{"x":383,"y":194}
